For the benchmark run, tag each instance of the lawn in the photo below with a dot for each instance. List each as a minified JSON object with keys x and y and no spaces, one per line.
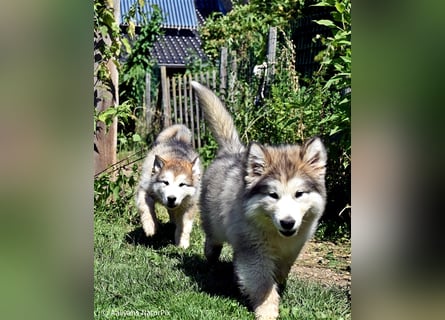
{"x":137,"y":277}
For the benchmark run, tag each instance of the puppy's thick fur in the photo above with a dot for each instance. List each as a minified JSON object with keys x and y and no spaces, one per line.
{"x":171,"y":175}
{"x":265,"y":201}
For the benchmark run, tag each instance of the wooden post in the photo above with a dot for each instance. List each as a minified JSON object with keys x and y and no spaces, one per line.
{"x":106,"y":95}
{"x":232,"y":76}
{"x":165,"y":98}
{"x":223,"y":73}
{"x":271,"y":55}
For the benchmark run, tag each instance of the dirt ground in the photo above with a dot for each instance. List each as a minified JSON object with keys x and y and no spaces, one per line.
{"x":325,"y":262}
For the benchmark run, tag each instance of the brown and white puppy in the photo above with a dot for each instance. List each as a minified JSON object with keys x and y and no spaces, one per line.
{"x":171,"y":175}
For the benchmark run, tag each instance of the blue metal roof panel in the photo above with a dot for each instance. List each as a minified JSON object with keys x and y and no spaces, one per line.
{"x":177,"y":14}
{"x":176,"y":47}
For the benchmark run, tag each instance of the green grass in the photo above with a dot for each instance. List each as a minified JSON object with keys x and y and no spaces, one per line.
{"x":138,"y":277}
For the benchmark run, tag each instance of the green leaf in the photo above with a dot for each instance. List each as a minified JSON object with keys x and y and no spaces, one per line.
{"x":103,"y":30}
{"x":116,"y":190}
{"x":334,"y":130}
{"x":328,"y":119}
{"x":340,"y":7}
{"x":136,"y":138}
{"x":338,"y":67}
{"x":346,"y":59}
{"x":324,"y":22}
{"x":131,"y":29}
{"x":107,"y":114}
{"x":127,"y":45}
{"x":344,"y":101}
{"x":321,"y":4}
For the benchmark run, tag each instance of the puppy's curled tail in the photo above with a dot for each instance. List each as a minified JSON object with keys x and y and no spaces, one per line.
{"x":177,"y":132}
{"x":219,"y":119}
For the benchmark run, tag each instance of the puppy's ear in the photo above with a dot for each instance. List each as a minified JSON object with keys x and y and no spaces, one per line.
{"x":314,"y":154}
{"x":158,"y":164}
{"x":256,"y":160}
{"x":196,"y":167}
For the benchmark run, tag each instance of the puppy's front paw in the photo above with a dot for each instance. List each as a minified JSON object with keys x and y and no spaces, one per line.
{"x":268,"y":309}
{"x":149,"y":227}
{"x":184,"y":243}
{"x":266,"y":312}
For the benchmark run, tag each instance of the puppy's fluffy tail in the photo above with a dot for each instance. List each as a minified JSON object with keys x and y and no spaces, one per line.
{"x":175,"y":132}
{"x":219,"y":120}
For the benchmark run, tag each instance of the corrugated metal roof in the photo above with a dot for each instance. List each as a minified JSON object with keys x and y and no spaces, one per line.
{"x":174,"y":47}
{"x":178,"y":14}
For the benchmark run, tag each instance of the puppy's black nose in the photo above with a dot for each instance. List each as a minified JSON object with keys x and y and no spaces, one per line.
{"x":287,"y":224}
{"x":171,"y":199}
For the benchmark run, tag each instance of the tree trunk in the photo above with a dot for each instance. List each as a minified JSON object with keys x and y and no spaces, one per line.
{"x":105,"y":95}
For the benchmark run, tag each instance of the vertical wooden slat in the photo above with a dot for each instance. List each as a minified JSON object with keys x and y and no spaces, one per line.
{"x":198,"y":117}
{"x":186,"y":102}
{"x":175,"y":110}
{"x":201,"y":79}
{"x":232,"y":77}
{"x":214,"y":79}
{"x":181,"y":118}
{"x":233,"y":67}
{"x":223,"y":73}
{"x":165,"y":97}
{"x":169,"y":107}
{"x":192,"y":120}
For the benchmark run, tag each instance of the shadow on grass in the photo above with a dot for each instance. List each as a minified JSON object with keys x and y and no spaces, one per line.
{"x":163,"y":237}
{"x":215,"y":279}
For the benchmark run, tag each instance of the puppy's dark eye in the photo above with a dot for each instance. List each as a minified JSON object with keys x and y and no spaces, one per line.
{"x":165,"y":182}
{"x":298,"y":194}
{"x":273,"y":195}
{"x":182,"y":184}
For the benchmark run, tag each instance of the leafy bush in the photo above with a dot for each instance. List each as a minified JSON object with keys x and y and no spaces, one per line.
{"x":333,"y":82}
{"x":135,"y":66}
{"x":245,"y":28}
{"x":114,"y":192}
{"x":138,"y":61}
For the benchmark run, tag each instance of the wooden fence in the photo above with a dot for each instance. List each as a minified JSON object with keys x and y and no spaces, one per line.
{"x":179,"y":105}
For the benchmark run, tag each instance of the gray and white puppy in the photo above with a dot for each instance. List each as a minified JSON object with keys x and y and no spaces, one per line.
{"x":265,"y":201}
